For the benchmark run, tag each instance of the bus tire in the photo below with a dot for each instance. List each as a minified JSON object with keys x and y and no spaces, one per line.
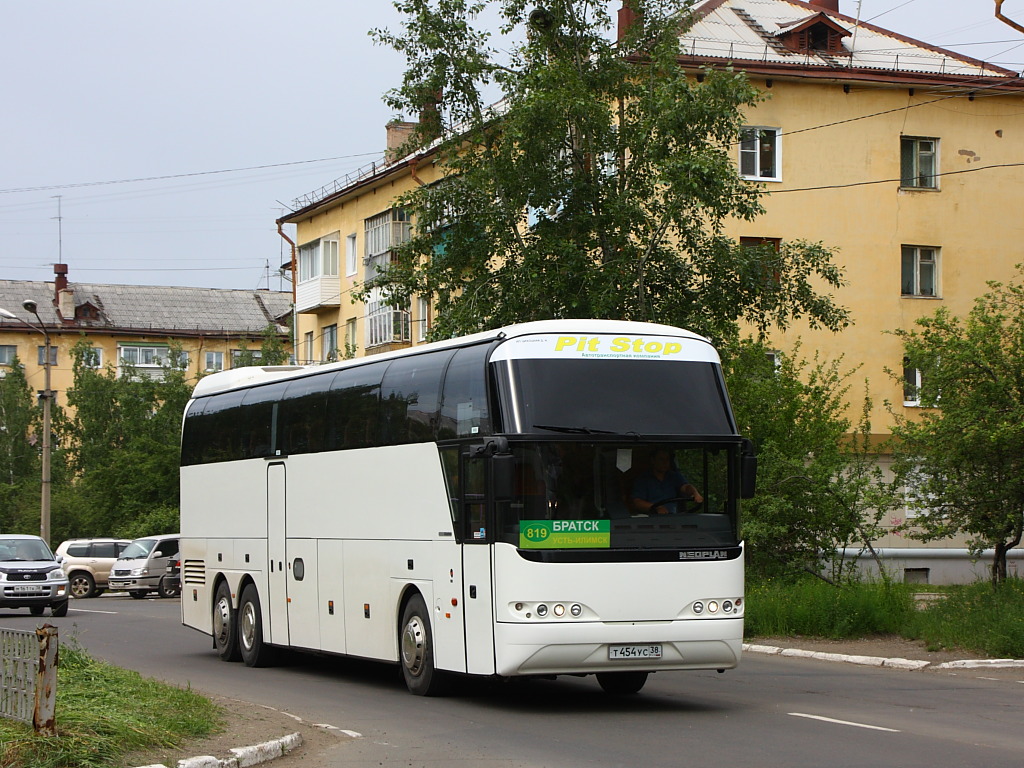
{"x":416,"y":651}
{"x":225,"y":619}
{"x":255,"y":652}
{"x":621,"y":683}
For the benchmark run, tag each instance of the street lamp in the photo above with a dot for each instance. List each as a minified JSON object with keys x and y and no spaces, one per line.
{"x":46,"y":396}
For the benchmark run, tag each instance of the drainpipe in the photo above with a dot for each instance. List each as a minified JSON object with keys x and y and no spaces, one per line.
{"x":295,"y":278}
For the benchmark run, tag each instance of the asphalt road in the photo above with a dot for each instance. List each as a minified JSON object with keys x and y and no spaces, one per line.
{"x":771,"y":711}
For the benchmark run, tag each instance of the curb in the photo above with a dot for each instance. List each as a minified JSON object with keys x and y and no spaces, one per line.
{"x":242,"y":757}
{"x":879,"y":661}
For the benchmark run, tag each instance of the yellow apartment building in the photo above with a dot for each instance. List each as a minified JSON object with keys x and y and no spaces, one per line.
{"x":131,"y":324}
{"x":904,"y":158}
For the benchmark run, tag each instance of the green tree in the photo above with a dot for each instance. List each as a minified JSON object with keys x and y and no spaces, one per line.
{"x":123,"y":447}
{"x":601,"y":185}
{"x":271,"y":350}
{"x":820,"y":490}
{"x":19,"y":453}
{"x":961,"y":458}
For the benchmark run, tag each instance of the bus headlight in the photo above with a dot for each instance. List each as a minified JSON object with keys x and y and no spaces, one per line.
{"x":542,"y":610}
{"x":576,"y":609}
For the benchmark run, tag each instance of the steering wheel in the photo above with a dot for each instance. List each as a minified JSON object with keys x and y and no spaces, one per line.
{"x":684,"y":504}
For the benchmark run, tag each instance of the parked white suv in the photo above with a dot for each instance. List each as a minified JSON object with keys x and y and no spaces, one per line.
{"x":87,"y":562}
{"x":143,"y":565}
{"x":30,"y":576}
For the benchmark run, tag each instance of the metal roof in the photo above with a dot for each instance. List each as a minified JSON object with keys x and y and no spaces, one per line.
{"x":150,"y":308}
{"x":748,"y":31}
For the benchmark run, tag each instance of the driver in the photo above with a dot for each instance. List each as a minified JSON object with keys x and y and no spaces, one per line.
{"x":659,"y":483}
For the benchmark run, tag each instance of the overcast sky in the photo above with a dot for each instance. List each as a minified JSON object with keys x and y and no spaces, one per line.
{"x":171,"y":134}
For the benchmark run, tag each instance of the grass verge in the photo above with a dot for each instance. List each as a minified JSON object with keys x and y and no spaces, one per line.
{"x":974,"y":617}
{"x":103,"y":713}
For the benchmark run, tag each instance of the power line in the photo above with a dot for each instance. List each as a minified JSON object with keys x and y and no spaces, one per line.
{"x":890,"y":181}
{"x":182,"y":175}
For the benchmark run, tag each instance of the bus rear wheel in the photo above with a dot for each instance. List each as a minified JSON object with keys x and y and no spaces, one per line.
{"x":416,"y":651}
{"x":255,"y":652}
{"x":621,"y":683}
{"x":225,"y":634}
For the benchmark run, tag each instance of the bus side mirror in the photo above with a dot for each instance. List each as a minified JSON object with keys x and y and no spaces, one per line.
{"x":748,"y":471}
{"x":503,"y":485}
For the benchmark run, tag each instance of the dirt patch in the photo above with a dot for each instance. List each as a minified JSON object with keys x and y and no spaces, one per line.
{"x":245,"y":724}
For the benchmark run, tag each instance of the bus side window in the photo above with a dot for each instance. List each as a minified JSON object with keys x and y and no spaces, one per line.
{"x":464,"y":410}
{"x":450,"y":467}
{"x":475,"y":498}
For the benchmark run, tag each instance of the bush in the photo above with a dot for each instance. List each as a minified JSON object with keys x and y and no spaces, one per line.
{"x":815,"y":608}
{"x":978,"y":617}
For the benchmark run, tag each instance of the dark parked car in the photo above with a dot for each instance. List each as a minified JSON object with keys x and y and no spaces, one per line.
{"x":170,"y":584}
{"x":31,"y":576}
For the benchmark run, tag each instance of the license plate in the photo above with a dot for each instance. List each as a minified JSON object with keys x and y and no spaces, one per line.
{"x":25,"y":588}
{"x":649,"y":651}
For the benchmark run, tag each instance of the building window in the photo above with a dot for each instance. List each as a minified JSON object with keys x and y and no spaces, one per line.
{"x":911,"y":385}
{"x":329,"y":343}
{"x":385,"y":324}
{"x":760,"y":156}
{"x":423,"y":318}
{"x":919,"y":163}
{"x":384,"y":232}
{"x":214,"y":361}
{"x":319,"y":258}
{"x":351,"y":255}
{"x":42,"y":355}
{"x":93,"y":358}
{"x":919,"y":272}
{"x":350,"y":338}
{"x":243,"y":357}
{"x":149,"y":360}
{"x":7,"y":354}
{"x":307,"y":341}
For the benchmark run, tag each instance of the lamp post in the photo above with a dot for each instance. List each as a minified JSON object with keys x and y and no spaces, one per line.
{"x":46,"y":396}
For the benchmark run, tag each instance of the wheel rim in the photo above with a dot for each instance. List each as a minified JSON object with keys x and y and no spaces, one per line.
{"x":80,"y":586}
{"x":413,"y":646}
{"x":247,"y":625}
{"x":222,"y":621}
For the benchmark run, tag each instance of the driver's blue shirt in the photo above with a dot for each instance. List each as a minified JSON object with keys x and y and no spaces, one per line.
{"x":649,"y":488}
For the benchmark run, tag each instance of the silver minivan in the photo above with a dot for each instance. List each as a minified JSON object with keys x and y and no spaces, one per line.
{"x":142,"y":566}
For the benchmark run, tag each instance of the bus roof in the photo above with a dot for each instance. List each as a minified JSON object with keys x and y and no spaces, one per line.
{"x":238,"y":378}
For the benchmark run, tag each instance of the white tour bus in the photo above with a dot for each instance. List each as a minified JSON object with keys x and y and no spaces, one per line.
{"x":484,"y":505}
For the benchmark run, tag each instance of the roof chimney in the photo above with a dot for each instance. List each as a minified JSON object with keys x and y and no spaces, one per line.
{"x":627,"y":17}
{"x":60,"y":282}
{"x":827,"y":5}
{"x":398,"y":134}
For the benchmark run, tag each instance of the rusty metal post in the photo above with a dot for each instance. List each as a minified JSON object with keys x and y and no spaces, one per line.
{"x":44,"y":714}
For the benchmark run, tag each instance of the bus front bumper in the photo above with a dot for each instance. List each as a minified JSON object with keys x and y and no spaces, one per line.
{"x":585,"y":648}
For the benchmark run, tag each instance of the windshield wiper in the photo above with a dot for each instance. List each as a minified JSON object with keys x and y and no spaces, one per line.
{"x":573,"y":430}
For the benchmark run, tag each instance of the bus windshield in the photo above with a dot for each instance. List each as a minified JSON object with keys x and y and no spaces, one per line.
{"x":632,"y":495}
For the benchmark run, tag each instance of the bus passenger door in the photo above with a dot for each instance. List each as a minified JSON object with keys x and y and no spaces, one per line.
{"x":477,"y":593}
{"x":276,"y":600}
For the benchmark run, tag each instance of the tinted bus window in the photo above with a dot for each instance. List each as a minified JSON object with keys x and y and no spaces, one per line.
{"x":664,"y":398}
{"x":410,"y":396}
{"x":302,"y":415}
{"x":211,"y":429}
{"x":352,"y":407}
{"x":464,"y":410}
{"x":257,"y":421}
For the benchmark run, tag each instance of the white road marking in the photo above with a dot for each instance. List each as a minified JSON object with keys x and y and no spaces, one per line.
{"x":91,"y":610}
{"x":843,"y":722}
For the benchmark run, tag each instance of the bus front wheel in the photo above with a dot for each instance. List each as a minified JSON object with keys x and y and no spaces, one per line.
{"x":621,"y":683}
{"x":255,"y":652}
{"x":225,"y":634}
{"x":416,"y":648}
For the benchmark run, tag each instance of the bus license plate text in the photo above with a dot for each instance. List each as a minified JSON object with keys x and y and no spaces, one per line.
{"x":651,"y":651}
